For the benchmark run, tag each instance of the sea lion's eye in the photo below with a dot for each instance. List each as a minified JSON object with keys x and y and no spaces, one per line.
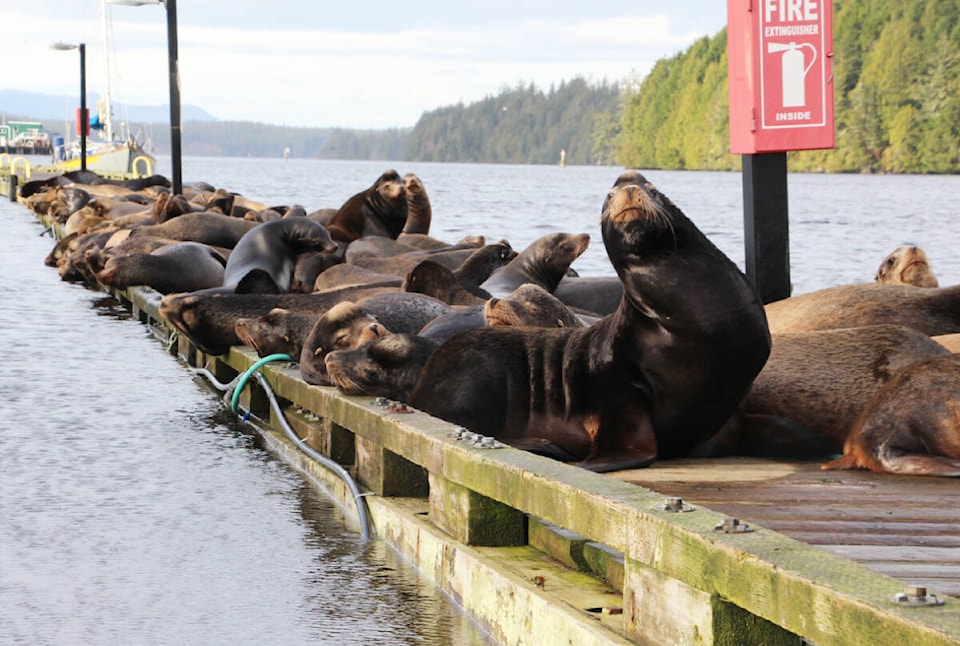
{"x":890,"y":261}
{"x":340,"y":341}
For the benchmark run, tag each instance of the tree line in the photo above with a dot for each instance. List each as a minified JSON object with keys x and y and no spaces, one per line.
{"x":896,"y":71}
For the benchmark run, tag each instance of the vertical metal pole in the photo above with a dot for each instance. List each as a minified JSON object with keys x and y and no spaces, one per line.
{"x":175,"y":125}
{"x":84,"y":120}
{"x":766,"y":224}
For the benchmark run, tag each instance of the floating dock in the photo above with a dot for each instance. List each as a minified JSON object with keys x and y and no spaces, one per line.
{"x":715,"y":552}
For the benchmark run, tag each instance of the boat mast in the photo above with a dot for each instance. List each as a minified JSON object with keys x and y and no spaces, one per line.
{"x":108,"y":107}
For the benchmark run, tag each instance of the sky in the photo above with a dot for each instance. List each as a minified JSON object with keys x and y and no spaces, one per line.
{"x":320,"y":63}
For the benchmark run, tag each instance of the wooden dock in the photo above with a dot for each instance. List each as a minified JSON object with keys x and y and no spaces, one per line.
{"x":541,"y":552}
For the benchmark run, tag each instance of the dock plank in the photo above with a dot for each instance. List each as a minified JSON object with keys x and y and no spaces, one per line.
{"x":904,"y":527}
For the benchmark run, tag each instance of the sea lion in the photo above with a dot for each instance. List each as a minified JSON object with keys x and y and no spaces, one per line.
{"x":346,"y":275}
{"x":273,"y":247}
{"x":823,"y":379}
{"x":209,"y":320}
{"x":345,"y":326}
{"x":661,"y":374}
{"x":419,"y":212}
{"x":380,"y":210}
{"x":906,"y":265}
{"x":202,"y":226}
{"x":460,"y":286}
{"x":530,"y":306}
{"x":180,"y":267}
{"x":389,"y":366}
{"x":933,"y":310}
{"x":423,"y":241}
{"x":544,"y":262}
{"x":912,"y":424}
{"x":287,"y":330}
{"x":598,"y":294}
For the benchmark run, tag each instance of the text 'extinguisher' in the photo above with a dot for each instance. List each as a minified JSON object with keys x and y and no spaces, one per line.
{"x":793,"y":71}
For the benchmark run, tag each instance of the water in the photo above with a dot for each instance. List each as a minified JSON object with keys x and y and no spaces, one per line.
{"x":135,"y":512}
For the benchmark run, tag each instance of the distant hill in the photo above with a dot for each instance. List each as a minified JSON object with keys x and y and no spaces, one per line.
{"x":41,"y":107}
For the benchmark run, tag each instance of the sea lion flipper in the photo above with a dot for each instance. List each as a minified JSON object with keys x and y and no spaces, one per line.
{"x":618,"y":460}
{"x":918,"y":464}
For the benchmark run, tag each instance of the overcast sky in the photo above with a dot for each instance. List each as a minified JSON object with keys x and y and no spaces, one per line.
{"x":363,"y":64}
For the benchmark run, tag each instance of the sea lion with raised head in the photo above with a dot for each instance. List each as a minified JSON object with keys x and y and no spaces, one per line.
{"x":543,"y":262}
{"x":654,"y":379}
{"x":379,"y":210}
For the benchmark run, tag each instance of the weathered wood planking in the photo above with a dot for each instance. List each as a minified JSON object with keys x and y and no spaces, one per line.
{"x":905,"y":527}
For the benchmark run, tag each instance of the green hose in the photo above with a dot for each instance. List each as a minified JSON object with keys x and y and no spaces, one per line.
{"x":252,"y":369}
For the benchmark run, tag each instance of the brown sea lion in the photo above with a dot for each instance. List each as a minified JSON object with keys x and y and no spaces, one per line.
{"x":655,"y":378}
{"x":180,"y":267}
{"x":380,"y":210}
{"x":419,"y":212}
{"x":207,"y":227}
{"x":460,"y":286}
{"x":346,"y":275}
{"x":906,"y":265}
{"x":544,"y":262}
{"x":912,"y":424}
{"x":933,"y":311}
{"x":423,"y":241}
{"x":823,"y":379}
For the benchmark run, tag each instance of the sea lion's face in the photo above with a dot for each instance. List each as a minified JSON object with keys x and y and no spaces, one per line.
{"x":637,"y":220}
{"x":391,"y":186}
{"x":345,"y":327}
{"x":388,"y":367}
{"x":906,"y":265}
{"x":529,"y":305}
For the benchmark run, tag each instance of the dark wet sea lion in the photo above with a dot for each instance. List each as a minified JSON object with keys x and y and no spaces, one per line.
{"x":544,"y":262}
{"x":389,"y":366}
{"x":380,"y":210}
{"x":823,"y":379}
{"x":202,"y":226}
{"x":181,"y":267}
{"x":273,"y":247}
{"x":912,"y":424}
{"x":419,"y":212}
{"x":655,"y":378}
{"x":287,"y":330}
{"x":933,"y":311}
{"x":906,"y":265}
{"x":209,"y":320}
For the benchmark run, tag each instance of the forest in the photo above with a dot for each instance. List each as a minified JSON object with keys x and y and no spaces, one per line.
{"x":897,"y":97}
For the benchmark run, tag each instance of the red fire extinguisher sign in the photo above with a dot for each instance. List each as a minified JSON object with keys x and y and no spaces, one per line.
{"x":780,"y":64}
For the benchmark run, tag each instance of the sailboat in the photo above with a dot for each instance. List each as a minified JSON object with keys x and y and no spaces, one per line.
{"x":110,"y":150}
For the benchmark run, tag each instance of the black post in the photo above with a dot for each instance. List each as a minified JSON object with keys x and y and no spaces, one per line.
{"x":84,"y":120}
{"x":766,"y":224}
{"x":175,"y":125}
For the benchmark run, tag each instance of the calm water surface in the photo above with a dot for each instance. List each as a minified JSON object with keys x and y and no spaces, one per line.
{"x":134,"y":509}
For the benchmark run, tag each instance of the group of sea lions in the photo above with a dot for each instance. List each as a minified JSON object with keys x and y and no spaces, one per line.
{"x":675,"y":355}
